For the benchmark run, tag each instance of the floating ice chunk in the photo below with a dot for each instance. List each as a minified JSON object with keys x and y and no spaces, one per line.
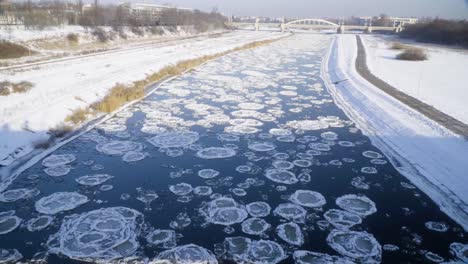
{"x":245,"y":122}
{"x":106,"y":187}
{"x":291,"y":211}
{"x":369,"y":170}
{"x":329,"y":135}
{"x":146,"y":196}
{"x":283,"y":165}
{"x":216,"y":153}
{"x":240,"y":130}
{"x":162,"y":238}
{"x":133,"y":156}
{"x":93,"y":180}
{"x":281,"y":176}
{"x":372,"y":154}
{"x":288,"y":93}
{"x":237,"y":248}
{"x":347,"y":144}
{"x":182,"y":220}
{"x":342,"y":219}
{"x":181,"y":189}
{"x":8,"y":222}
{"x":244,"y":168}
{"x":118,"y":148}
{"x":58,"y":160}
{"x":360,"y":205}
{"x":59,"y":202}
{"x":202,"y":190}
{"x":174,"y":139}
{"x":262,"y":146}
{"x":433,"y":257}
{"x":359,"y":183}
{"x":152,"y":129}
{"x":10,"y":255}
{"x":258,"y":209}
{"x":39,"y":223}
{"x":224,"y":211}
{"x":18,"y":194}
{"x":98,"y":236}
{"x":319,"y":146}
{"x":265,"y":252}
{"x":208,"y":173}
{"x":255,"y":226}
{"x":437,"y":226}
{"x":307,"y":125}
{"x":228,"y":137}
{"x":281,"y":156}
{"x":58,"y":171}
{"x":302,"y":163}
{"x":280,"y":132}
{"x":286,"y":139}
{"x":460,"y":251}
{"x":308,"y":257}
{"x":390,"y":247}
{"x":251,"y":106}
{"x":238,"y":192}
{"x":308,"y":198}
{"x":187,"y":254}
{"x":291,"y":233}
{"x":357,"y":245}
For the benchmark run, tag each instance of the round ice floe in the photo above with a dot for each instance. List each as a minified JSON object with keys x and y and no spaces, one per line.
{"x":146,"y":196}
{"x":58,"y":160}
{"x":39,"y":223}
{"x":238,"y":191}
{"x":281,"y":176}
{"x":10,"y":255}
{"x":228,"y":137}
{"x":174,"y":139}
{"x":251,"y":106}
{"x":58,"y":171}
{"x":240,"y":130}
{"x":133,"y":156}
{"x":202,"y":190}
{"x":181,"y":221}
{"x":98,"y":236}
{"x":245,"y":122}
{"x":8,"y":222}
{"x":93,"y":180}
{"x":308,"y":198}
{"x":208,"y":173}
{"x":187,"y":254}
{"x":329,"y":135}
{"x":244,"y":168}
{"x":460,"y":251}
{"x":342,"y":219}
{"x":308,"y":257}
{"x":181,"y":189}
{"x":358,"y":245}
{"x":292,"y":212}
{"x":106,"y":187}
{"x":372,"y":154}
{"x":437,"y":226}
{"x":291,"y":233}
{"x":369,"y":170}
{"x":224,"y":211}
{"x":258,"y":209}
{"x":319,"y":146}
{"x":18,"y":194}
{"x":283,"y":165}
{"x":360,"y":205}
{"x":286,"y":139}
{"x":433,"y":257}
{"x":162,"y":238}
{"x":237,"y":247}
{"x":265,"y":251}
{"x":262,"y":146}
{"x":118,"y":148}
{"x":307,"y":125}
{"x":216,"y":153}
{"x":302,"y":163}
{"x":59,"y":202}
{"x":280,"y":132}
{"x":255,"y":226}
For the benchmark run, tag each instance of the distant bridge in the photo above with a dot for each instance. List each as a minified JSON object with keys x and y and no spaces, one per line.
{"x":317,"y":23}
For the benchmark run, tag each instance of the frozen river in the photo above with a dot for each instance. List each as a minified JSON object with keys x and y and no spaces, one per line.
{"x":246,"y":159}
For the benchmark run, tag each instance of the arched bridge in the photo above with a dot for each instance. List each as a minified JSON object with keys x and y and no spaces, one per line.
{"x":311,"y":21}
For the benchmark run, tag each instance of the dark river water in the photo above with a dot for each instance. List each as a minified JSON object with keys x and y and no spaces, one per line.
{"x":263,"y":126}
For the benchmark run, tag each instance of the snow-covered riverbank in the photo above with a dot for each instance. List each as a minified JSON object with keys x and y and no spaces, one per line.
{"x":62,"y":87}
{"x":430,"y":156}
{"x":441,"y":81}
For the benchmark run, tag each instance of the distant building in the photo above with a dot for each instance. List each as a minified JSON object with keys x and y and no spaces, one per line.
{"x":146,"y":11}
{"x":403,"y":20}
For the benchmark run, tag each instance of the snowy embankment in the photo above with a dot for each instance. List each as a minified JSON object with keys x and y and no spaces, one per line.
{"x":441,"y":81}
{"x":62,"y":87}
{"x":430,"y":156}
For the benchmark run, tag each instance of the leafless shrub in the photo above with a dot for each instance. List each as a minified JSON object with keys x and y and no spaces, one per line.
{"x":73,"y":37}
{"x":7,"y":88}
{"x":398,"y":46}
{"x":101,"y":34}
{"x":9,"y":50}
{"x":412,"y":54}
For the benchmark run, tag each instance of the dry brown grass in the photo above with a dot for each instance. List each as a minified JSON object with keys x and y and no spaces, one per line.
{"x":7,"y":88}
{"x":73,"y":38}
{"x":412,"y":54}
{"x":398,"y":46}
{"x":78,"y":116}
{"x":9,"y":50}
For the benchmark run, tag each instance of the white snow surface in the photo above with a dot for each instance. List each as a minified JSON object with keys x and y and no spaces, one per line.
{"x":64,"y":86}
{"x":439,"y":81}
{"x":430,"y":156}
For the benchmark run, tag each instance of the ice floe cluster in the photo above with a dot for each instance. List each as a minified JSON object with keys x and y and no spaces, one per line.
{"x":224,"y":211}
{"x":59,"y":202}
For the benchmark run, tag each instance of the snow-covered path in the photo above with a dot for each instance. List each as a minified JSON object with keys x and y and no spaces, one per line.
{"x":430,"y":156}
{"x":440,"y":81}
{"x":62,"y":87}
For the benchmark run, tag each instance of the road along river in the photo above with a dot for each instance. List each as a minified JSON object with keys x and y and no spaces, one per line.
{"x":246,"y":159}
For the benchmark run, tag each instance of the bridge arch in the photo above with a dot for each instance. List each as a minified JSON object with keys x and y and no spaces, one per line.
{"x":317,"y":20}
